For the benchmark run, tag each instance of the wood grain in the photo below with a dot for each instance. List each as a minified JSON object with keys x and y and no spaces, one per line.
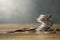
{"x":26,"y":35}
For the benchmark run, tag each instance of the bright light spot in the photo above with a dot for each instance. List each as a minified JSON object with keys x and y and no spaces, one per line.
{"x":6,"y":6}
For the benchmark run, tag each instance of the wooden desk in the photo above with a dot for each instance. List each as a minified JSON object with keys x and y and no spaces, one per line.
{"x":27,"y":35}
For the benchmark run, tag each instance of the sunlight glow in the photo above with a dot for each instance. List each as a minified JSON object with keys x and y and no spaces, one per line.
{"x":5,"y":8}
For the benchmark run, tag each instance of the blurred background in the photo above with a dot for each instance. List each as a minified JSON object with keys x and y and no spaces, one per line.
{"x":27,"y":11}
{"x":19,"y":14}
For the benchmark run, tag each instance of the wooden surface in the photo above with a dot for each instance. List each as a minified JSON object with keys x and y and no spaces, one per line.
{"x":27,"y":35}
